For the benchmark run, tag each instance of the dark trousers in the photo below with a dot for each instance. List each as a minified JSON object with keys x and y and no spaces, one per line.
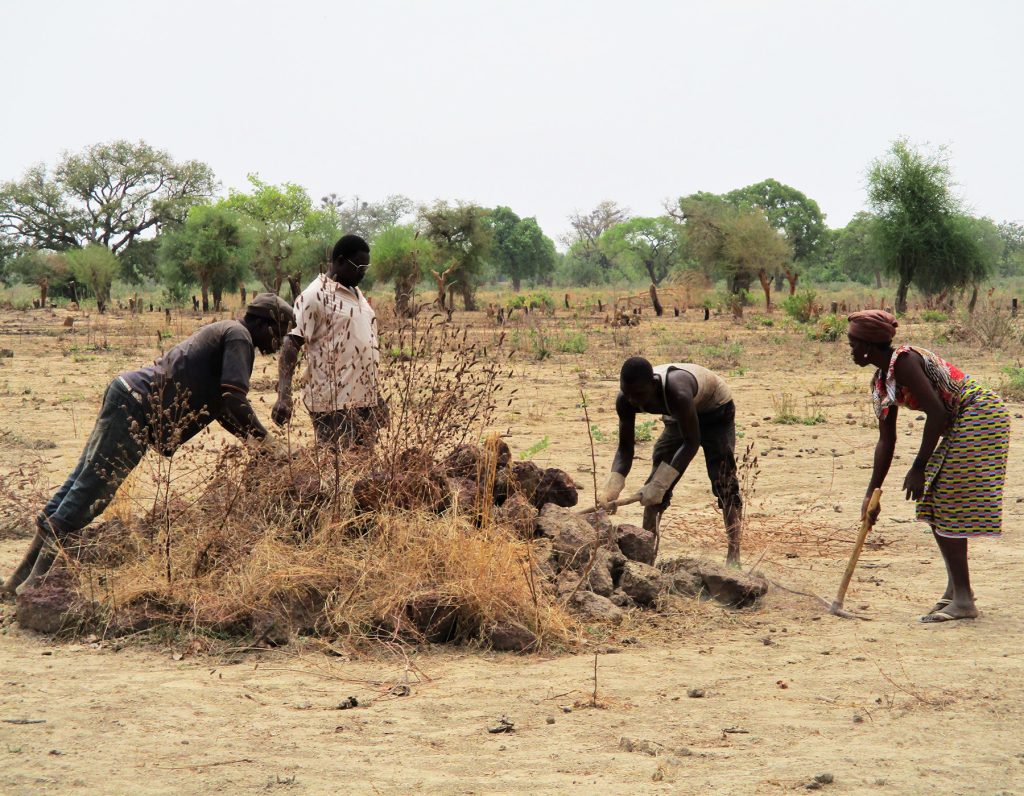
{"x":114,"y":448}
{"x":718,"y":441}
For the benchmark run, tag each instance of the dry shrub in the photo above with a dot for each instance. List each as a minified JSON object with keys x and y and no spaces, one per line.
{"x":274,"y":560}
{"x":267,"y":548}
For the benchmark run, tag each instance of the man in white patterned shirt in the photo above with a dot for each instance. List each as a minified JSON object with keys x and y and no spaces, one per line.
{"x":338,"y":328}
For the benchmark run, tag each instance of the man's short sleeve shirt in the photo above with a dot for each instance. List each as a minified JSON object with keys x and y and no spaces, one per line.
{"x":339,"y":329}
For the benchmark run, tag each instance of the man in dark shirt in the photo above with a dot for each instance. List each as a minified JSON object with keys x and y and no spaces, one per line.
{"x":203,"y":378}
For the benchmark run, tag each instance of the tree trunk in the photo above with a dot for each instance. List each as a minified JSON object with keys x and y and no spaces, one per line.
{"x":294,"y":286}
{"x":901,"y":294}
{"x":468,"y":297}
{"x":792,"y":277}
{"x":766,"y":286}
{"x":650,"y":272}
{"x":778,"y":282}
{"x":204,"y":289}
{"x":658,"y":309}
{"x":277,"y":285}
{"x":404,"y":295}
{"x":878,"y":279}
{"x":218,"y":295}
{"x":44,"y":286}
{"x":974,"y":300}
{"x":242,"y":291}
{"x":516,"y":283}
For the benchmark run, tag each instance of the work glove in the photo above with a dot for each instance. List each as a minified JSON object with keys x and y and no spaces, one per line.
{"x":653,"y":492}
{"x":611,"y":490}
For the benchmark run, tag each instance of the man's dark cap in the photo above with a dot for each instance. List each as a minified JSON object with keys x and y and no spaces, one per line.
{"x":272,"y":307}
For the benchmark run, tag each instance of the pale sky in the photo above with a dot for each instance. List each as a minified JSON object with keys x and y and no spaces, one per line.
{"x":547,"y":107}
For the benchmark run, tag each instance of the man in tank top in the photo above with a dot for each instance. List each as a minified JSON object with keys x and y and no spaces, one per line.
{"x":697,"y":408}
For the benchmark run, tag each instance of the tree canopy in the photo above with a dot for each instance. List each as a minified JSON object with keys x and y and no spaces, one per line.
{"x":401,"y":254}
{"x":520,"y":250}
{"x":95,"y":267}
{"x":789,"y":211}
{"x":652,"y":245}
{"x":921,"y":233}
{"x":109,"y":194}
{"x":210,"y":249}
{"x":463,"y":240}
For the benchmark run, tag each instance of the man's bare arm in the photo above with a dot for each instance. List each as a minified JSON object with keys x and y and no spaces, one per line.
{"x":288,"y":358}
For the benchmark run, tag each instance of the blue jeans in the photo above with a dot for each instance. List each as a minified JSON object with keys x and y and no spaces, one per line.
{"x":114,"y":448}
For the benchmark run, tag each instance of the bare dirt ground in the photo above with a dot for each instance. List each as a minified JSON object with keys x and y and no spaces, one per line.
{"x":789,"y":692}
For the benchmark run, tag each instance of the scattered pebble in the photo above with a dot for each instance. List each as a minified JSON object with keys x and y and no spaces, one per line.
{"x":551,"y":719}
{"x":825,"y":778}
{"x":858,"y":719}
{"x":695,"y":693}
{"x":812,"y":786}
{"x":566,"y":709}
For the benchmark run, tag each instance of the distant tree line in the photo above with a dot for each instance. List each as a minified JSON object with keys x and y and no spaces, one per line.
{"x":125,"y":210}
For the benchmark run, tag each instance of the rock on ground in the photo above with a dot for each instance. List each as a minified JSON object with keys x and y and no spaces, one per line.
{"x":556,"y":487}
{"x":642,"y":582}
{"x":596,"y":607}
{"x":510,"y":637}
{"x":733,"y":587}
{"x":636,"y":544}
{"x":572,"y":536}
{"x":51,"y":606}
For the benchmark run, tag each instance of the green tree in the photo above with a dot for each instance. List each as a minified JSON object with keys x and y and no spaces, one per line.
{"x":139,"y":260}
{"x":918,"y":232}
{"x":1011,"y":261}
{"x":970,"y":252}
{"x":584,"y":241}
{"x":463,"y":240}
{"x":789,"y":211}
{"x":400,"y":255}
{"x":520,"y":249}
{"x":40,"y":268}
{"x":855,"y":250}
{"x":109,"y":194}
{"x":209,"y":249}
{"x":95,"y":266}
{"x":277,"y":214}
{"x":655,"y":245}
{"x":732,"y":242}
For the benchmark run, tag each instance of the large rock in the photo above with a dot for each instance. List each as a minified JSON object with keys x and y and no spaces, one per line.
{"x":636,"y":544}
{"x":733,"y":587}
{"x":510,"y":637}
{"x":407,"y":490}
{"x":556,"y":486}
{"x":596,"y":607}
{"x":51,"y":606}
{"x":683,"y":576}
{"x":469,"y":461}
{"x":600,"y":578}
{"x":643,"y":583}
{"x":524,"y":478}
{"x":572,"y":537}
{"x":519,"y":514}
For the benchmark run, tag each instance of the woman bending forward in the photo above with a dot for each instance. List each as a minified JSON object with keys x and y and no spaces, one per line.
{"x":958,"y":482}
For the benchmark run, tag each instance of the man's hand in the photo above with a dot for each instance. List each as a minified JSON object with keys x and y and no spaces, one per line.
{"x":270,"y":447}
{"x":607,"y":494}
{"x":282,"y":411}
{"x":914,"y":483}
{"x":864,"y":508}
{"x":653,"y":492}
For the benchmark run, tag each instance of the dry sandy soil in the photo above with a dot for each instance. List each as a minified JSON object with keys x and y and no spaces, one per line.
{"x":789,"y":692}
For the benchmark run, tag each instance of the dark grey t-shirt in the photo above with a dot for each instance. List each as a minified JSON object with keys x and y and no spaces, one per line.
{"x":182,"y":389}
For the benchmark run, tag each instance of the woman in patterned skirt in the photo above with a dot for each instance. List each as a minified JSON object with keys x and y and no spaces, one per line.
{"x":958,"y":482}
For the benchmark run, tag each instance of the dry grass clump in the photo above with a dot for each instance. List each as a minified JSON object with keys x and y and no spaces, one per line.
{"x":276,"y":565}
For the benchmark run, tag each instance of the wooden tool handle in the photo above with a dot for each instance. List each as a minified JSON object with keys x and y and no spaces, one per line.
{"x":851,"y":565}
{"x":617,"y":504}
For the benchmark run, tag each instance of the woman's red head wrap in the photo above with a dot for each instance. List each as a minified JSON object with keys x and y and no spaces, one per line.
{"x":873,"y":326}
